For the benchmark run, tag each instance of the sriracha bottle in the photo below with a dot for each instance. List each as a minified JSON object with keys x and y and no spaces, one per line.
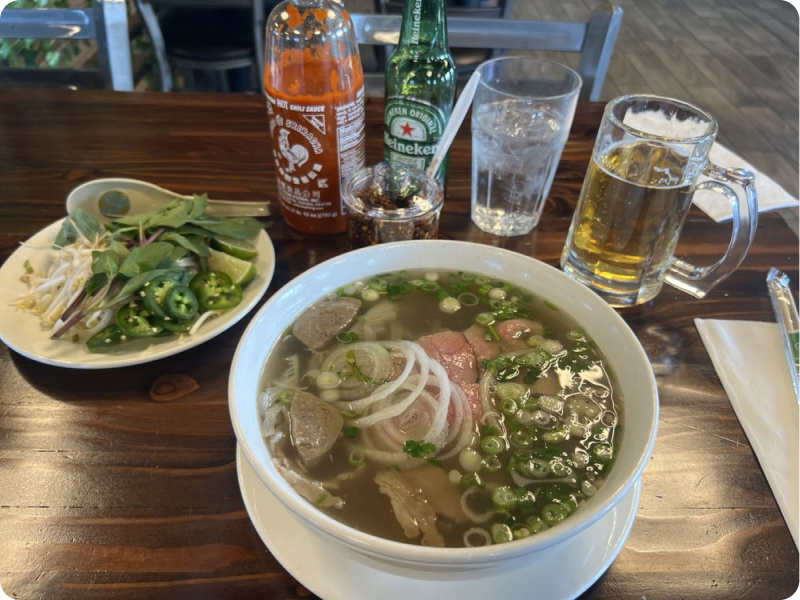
{"x":315,"y":99}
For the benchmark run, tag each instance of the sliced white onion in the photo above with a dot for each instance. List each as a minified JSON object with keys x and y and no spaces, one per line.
{"x":477,"y":531}
{"x":472,"y":515}
{"x":409,"y":351}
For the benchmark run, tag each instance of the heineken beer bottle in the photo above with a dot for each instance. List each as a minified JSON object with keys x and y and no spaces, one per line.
{"x":420,"y":87}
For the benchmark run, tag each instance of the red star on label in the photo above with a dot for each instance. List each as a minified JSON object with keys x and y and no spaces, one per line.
{"x":407,"y":129}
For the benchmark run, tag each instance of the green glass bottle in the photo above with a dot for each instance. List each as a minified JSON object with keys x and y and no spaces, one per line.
{"x":420,"y":87}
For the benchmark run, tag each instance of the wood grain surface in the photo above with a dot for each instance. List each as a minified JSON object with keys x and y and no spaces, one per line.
{"x":105,"y":493}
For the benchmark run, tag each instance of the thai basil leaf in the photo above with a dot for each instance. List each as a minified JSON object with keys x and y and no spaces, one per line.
{"x":240,"y":228}
{"x":192,"y":243}
{"x":96,"y":283}
{"x":119,"y":248}
{"x":78,"y":223}
{"x":133,"y":285}
{"x":199,"y":203}
{"x":105,"y":262}
{"x":144,"y":258}
{"x":177,"y":253}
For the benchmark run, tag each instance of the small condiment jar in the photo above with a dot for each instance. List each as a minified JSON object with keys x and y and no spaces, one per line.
{"x":391,"y":203}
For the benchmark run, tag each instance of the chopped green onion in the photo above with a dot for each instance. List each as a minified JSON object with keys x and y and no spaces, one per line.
{"x":492,"y":463}
{"x":378,"y":284}
{"x":351,"y":432}
{"x":508,"y":407}
{"x":472,"y":479}
{"x":602,"y":452}
{"x":484,"y":318}
{"x":28,"y":267}
{"x":536,"y":525}
{"x":510,"y":391}
{"x":493,"y":444}
{"x":556,"y":436}
{"x":520,"y":531}
{"x":503,"y":498}
{"x":356,"y":456}
{"x":286,"y":396}
{"x":482,"y":279}
{"x":347,"y":337}
{"x":490,"y":430}
{"x":553,"y":513}
{"x":521,"y":439}
{"x":430,"y":287}
{"x":501,"y":533}
{"x":470,"y":460}
{"x":370,"y":295}
{"x":449,"y":305}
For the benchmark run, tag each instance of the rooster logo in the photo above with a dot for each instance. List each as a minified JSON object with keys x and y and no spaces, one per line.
{"x":296,"y":155}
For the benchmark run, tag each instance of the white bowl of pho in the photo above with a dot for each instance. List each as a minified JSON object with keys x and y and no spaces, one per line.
{"x":442,"y":406}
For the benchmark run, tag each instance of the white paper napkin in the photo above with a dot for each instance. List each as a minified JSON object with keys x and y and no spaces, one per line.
{"x":771,"y":196}
{"x":750,"y":361}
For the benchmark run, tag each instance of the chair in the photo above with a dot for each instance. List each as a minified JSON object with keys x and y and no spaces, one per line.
{"x":594,"y":40}
{"x":206,"y":36}
{"x":106,"y":21}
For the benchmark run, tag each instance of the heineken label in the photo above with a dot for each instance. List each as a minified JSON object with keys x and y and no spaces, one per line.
{"x":412,"y":129}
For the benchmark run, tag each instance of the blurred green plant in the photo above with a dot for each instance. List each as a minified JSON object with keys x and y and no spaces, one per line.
{"x":35,"y":53}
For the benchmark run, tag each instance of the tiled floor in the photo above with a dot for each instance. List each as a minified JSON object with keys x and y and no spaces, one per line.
{"x":738,"y":59}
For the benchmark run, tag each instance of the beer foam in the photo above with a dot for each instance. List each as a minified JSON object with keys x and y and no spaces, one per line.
{"x":660,"y":123}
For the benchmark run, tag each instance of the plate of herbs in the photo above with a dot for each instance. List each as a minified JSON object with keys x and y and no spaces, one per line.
{"x":86,"y":294}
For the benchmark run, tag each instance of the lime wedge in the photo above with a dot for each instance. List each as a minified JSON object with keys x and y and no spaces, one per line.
{"x":240,"y":271}
{"x":238,"y":248}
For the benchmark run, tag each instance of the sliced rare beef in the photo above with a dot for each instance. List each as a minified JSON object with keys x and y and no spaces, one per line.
{"x":452,"y":350}
{"x":319,"y":324}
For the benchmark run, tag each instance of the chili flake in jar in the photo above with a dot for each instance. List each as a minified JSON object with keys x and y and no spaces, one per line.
{"x":389,"y":203}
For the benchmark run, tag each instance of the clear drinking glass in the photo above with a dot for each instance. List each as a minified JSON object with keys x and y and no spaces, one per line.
{"x":521,"y":116}
{"x":647,"y":158}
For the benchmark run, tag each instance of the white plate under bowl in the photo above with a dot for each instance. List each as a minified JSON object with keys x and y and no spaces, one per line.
{"x":560,"y":572}
{"x":23,"y":332}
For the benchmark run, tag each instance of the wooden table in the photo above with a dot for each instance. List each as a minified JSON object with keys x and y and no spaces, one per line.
{"x":104,"y":493}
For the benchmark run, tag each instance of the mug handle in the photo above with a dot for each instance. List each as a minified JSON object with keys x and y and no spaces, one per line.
{"x":698,"y":281}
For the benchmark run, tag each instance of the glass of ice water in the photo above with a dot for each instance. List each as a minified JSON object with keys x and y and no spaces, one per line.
{"x":521,"y":116}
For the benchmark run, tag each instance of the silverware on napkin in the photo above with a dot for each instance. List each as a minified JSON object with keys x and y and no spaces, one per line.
{"x":786,"y":314}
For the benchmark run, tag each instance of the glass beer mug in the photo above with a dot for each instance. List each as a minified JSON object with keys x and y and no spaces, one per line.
{"x":646,"y":162}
